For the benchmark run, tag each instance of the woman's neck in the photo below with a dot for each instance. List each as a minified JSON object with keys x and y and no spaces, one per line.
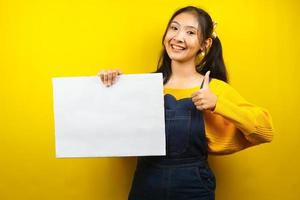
{"x":183,"y":70}
{"x":184,"y":75}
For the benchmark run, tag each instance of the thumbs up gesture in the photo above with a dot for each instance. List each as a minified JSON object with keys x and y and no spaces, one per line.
{"x":205,"y":99}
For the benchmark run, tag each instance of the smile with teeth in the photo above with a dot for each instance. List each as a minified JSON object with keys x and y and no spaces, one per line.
{"x":177,"y":47}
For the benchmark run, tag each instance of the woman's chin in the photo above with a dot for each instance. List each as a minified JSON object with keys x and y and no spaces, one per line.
{"x":178,"y":59}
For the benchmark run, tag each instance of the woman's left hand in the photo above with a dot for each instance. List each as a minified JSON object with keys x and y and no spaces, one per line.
{"x":205,"y":99}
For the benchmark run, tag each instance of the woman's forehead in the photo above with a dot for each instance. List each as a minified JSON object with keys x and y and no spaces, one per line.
{"x":186,"y":20}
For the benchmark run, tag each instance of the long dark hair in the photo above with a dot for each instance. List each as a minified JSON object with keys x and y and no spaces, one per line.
{"x":212,"y":61}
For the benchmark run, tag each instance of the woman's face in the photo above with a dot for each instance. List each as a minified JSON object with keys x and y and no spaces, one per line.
{"x":182,"y":38}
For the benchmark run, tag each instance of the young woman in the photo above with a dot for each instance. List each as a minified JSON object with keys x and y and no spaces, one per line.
{"x":203,"y":113}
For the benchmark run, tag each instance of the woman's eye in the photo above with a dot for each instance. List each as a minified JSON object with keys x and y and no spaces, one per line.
{"x":173,"y":28}
{"x":191,"y":32}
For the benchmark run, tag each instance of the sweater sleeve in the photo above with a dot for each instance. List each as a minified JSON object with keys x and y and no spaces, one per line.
{"x":254,"y":122}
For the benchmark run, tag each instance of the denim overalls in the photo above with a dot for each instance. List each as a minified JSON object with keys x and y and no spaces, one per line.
{"x":184,"y":173}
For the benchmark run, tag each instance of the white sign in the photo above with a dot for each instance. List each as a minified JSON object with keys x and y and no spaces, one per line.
{"x":125,"y":119}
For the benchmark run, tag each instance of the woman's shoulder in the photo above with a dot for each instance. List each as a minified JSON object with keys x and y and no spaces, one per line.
{"x":219,"y":82}
{"x":224,"y":89}
{"x":219,"y":86}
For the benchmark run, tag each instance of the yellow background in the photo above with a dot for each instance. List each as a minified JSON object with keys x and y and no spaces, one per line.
{"x":43,"y":39}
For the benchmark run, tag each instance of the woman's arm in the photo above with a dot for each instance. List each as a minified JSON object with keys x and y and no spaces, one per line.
{"x":253,"y":121}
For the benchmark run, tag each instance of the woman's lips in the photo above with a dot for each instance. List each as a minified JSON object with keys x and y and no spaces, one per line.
{"x":177,"y":48}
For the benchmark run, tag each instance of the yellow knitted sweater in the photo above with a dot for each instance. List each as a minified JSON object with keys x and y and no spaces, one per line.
{"x":235,"y":124}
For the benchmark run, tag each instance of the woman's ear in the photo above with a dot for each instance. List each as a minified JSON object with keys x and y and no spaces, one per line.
{"x":208,"y":43}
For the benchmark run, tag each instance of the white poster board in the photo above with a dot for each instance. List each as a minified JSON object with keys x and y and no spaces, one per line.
{"x":126,"y":119}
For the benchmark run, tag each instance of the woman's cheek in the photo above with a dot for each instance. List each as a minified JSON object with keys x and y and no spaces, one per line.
{"x":169,"y":35}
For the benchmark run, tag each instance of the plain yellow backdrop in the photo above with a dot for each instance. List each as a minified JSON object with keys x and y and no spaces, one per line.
{"x":44,"y":39}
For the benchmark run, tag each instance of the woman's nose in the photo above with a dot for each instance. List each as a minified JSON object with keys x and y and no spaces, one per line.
{"x":179,"y":36}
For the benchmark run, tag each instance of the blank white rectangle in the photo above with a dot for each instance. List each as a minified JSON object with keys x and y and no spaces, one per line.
{"x":126,"y":119}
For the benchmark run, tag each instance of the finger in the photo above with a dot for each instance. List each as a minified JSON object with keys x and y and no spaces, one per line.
{"x":100,"y":74}
{"x":119,"y":72}
{"x":199,"y":103}
{"x":206,"y":80}
{"x":109,"y":77}
{"x":195,"y":99}
{"x":198,"y":97}
{"x":196,"y":93}
{"x":102,"y":77}
{"x":199,"y":107}
{"x":105,"y":77}
{"x":114,"y":75}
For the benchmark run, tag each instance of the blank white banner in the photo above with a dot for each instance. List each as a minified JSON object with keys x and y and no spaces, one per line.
{"x":126,"y":119}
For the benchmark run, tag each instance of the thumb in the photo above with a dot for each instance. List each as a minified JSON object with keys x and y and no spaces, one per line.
{"x":206,"y":80}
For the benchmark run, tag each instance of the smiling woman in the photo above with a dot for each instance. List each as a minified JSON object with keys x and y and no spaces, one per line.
{"x":203,"y":113}
{"x":184,"y":26}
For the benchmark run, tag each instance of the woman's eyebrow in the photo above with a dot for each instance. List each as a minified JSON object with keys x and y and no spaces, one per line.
{"x":185,"y":26}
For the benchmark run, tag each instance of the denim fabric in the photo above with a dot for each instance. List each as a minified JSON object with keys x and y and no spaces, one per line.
{"x":184,"y":173}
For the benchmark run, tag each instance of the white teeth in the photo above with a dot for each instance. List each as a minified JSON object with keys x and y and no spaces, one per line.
{"x":177,"y":47}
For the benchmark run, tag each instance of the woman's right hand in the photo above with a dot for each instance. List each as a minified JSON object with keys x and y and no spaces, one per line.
{"x":108,"y":77}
